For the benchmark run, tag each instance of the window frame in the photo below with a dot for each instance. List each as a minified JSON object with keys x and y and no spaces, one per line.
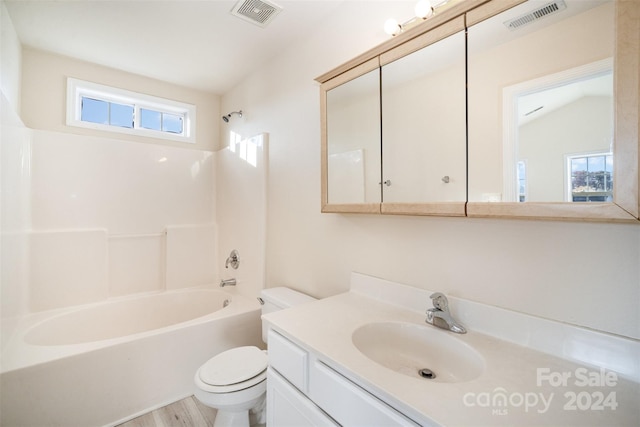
{"x":78,"y":89}
{"x":568,"y":172}
{"x":523,"y":181}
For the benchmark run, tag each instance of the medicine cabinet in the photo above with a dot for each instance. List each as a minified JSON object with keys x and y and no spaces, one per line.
{"x":545,"y":108}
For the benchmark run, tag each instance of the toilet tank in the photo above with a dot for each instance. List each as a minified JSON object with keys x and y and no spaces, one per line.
{"x":279,"y":298}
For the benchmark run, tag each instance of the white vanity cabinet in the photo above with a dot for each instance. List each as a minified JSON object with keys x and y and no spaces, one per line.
{"x":288,"y":407}
{"x":303,"y":390}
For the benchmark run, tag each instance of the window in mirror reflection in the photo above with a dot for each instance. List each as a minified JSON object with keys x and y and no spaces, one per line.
{"x":522,"y":181}
{"x":591,"y":178}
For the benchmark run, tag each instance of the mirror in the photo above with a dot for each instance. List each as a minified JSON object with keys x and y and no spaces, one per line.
{"x":551,"y":110}
{"x":541,"y":104}
{"x":424,"y":124}
{"x":353,"y":140}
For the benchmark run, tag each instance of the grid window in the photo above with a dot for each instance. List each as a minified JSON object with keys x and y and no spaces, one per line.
{"x":121,"y":115}
{"x":171,"y":123}
{"x":522,"y":181}
{"x":106,"y":108}
{"x":106,"y":113}
{"x":95,"y":111}
{"x":164,"y":122}
{"x":150,"y":119}
{"x":591,"y":177}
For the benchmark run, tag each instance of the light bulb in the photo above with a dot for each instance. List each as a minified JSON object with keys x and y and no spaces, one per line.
{"x":423,"y":9}
{"x":392,"y":27}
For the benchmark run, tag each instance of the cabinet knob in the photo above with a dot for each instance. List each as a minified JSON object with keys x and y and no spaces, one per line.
{"x":445,"y":179}
{"x":387,"y":183}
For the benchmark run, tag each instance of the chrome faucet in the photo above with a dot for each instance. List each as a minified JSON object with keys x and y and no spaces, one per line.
{"x":440,"y":316}
{"x":228,"y":282}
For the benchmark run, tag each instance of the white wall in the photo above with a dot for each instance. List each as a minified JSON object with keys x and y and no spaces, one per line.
{"x":44,"y":83}
{"x":10,"y":59}
{"x":15,"y":216}
{"x":15,"y":140}
{"x":532,"y":267}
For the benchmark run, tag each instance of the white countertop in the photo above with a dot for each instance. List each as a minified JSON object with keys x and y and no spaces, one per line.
{"x":325,"y":327}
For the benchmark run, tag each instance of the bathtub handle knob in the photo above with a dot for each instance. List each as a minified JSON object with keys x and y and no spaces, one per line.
{"x":233,"y":260}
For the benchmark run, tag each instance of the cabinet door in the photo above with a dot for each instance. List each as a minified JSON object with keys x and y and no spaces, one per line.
{"x":424,"y":123}
{"x":290,"y":360}
{"x":287,"y":407}
{"x":351,"y":140}
{"x":549,"y":121}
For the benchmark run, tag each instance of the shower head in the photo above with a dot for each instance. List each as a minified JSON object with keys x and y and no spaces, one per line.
{"x":228,"y":116}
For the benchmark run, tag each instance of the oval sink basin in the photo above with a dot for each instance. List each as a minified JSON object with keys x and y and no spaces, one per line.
{"x":422,"y":352}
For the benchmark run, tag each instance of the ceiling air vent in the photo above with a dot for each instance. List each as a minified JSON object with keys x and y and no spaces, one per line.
{"x":259,"y":12}
{"x":534,"y":15}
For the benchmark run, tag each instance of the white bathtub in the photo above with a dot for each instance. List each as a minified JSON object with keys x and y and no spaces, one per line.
{"x":105,"y":363}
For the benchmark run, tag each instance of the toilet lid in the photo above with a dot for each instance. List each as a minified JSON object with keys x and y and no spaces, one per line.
{"x":234,"y":366}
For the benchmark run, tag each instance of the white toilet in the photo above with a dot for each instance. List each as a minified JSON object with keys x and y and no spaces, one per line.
{"x":234,"y":381}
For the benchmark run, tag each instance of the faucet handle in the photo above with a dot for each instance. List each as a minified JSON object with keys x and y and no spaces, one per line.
{"x":234,"y":260}
{"x":439,"y":301}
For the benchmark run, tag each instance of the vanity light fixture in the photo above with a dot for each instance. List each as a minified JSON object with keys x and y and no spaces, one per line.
{"x":423,"y":10}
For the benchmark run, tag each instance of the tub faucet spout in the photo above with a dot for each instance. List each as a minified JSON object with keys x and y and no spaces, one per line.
{"x":440,"y":316}
{"x":228,"y":282}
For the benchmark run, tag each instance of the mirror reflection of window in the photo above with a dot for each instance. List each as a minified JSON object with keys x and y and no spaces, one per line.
{"x":522,"y":181}
{"x":591,"y":177}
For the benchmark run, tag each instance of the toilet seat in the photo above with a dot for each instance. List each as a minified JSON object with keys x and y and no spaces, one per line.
{"x":233,"y":370}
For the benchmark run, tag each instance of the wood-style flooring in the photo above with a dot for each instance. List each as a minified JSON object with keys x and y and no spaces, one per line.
{"x":187,"y":412}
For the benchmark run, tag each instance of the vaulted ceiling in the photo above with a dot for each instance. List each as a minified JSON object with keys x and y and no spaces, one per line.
{"x":193,"y":43}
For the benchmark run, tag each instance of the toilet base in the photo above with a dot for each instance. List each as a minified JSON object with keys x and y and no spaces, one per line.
{"x":231,"y":419}
{"x":233,"y":408}
{"x":241,"y":418}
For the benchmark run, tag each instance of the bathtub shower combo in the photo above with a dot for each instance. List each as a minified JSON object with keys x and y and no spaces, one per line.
{"x":104,"y":363}
{"x":111,"y":303}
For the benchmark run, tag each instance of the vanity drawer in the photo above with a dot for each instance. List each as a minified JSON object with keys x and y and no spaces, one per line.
{"x":289,"y":360}
{"x":349,"y":404}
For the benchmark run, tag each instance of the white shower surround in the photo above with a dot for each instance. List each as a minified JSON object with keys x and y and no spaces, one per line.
{"x":109,"y":218}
